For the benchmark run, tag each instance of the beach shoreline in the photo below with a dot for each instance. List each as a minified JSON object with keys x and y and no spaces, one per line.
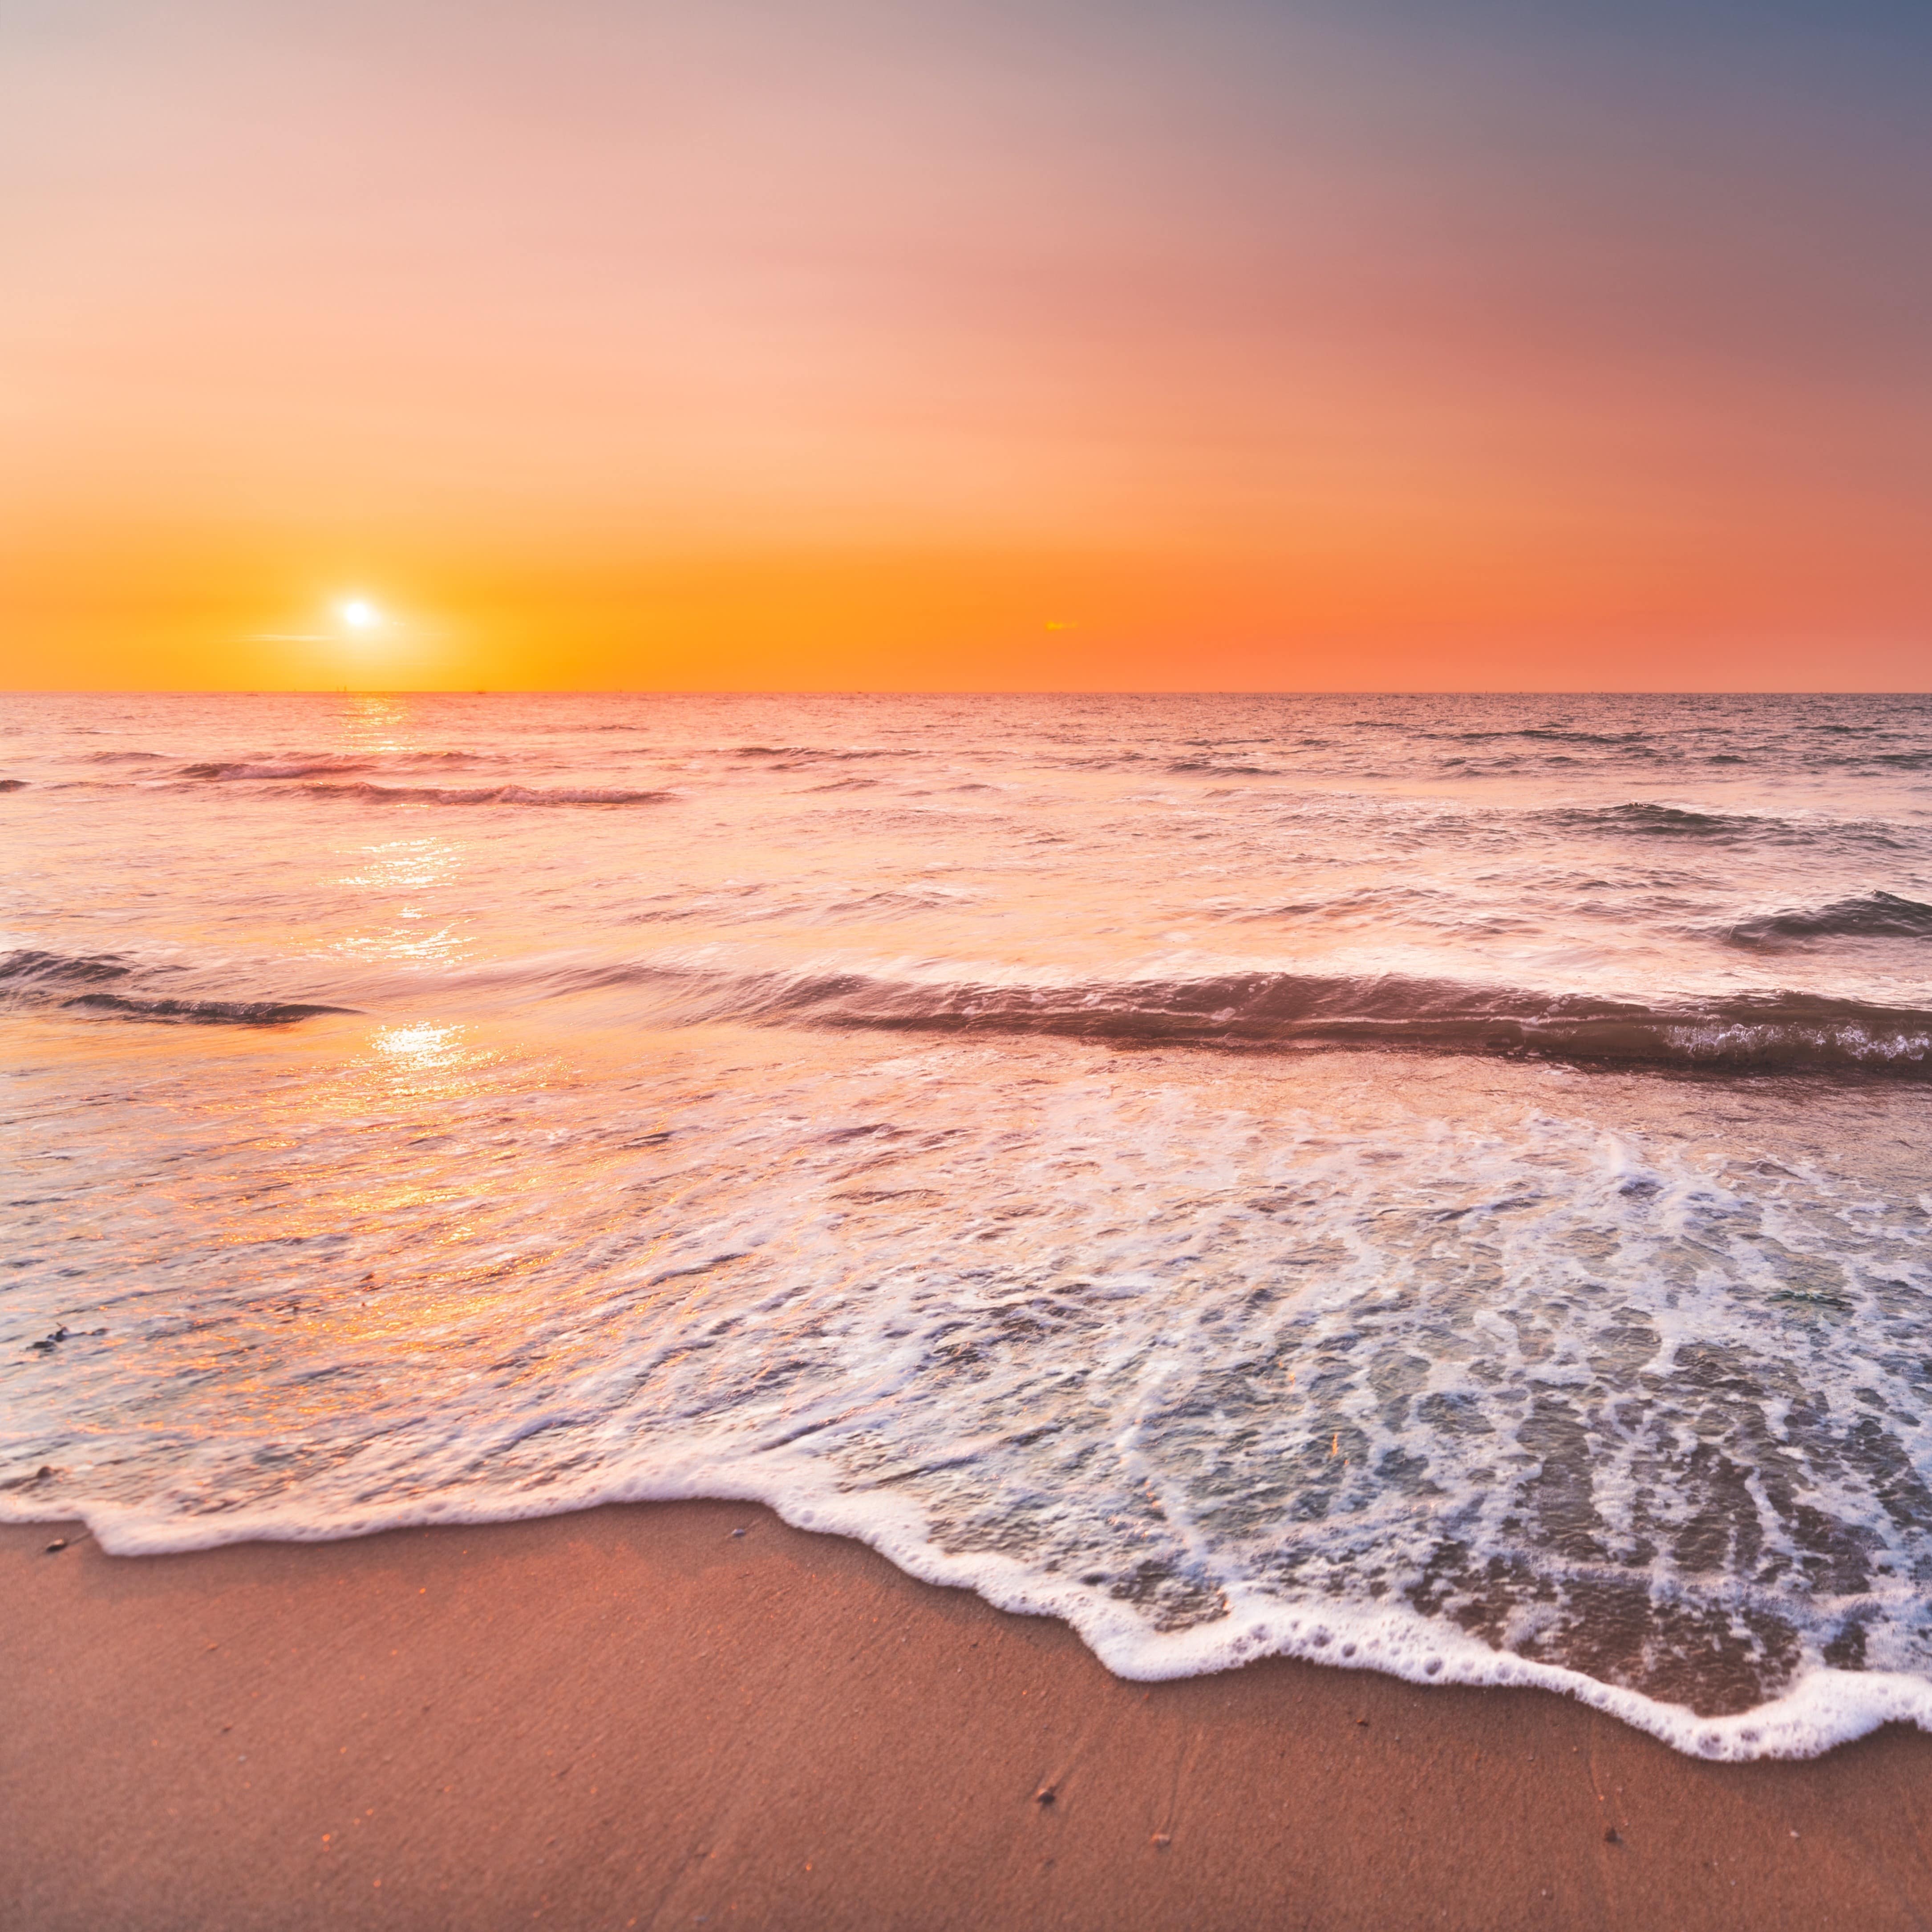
{"x":676,"y":1714}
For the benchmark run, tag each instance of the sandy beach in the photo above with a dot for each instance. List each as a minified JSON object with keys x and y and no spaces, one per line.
{"x":640,"y":1717}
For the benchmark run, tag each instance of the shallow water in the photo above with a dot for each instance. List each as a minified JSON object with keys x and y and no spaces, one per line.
{"x":1436,"y":1184}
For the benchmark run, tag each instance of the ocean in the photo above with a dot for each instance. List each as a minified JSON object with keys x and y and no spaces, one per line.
{"x":1435,"y":1184}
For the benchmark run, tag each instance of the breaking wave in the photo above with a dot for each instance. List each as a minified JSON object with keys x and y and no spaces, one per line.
{"x":1644,"y":820}
{"x":29,"y":967}
{"x":204,"y":1012}
{"x":1874,"y":916}
{"x":318,"y":764}
{"x":507,"y":794}
{"x":1780,"y":1032}
{"x":1744,"y":1033}
{"x":31,"y":977}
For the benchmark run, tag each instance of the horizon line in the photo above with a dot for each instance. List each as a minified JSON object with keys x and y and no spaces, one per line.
{"x":959,"y":690}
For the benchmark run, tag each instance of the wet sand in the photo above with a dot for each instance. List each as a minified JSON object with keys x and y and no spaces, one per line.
{"x":634,"y":1717}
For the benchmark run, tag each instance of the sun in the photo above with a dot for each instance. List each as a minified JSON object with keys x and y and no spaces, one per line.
{"x":359,"y":614}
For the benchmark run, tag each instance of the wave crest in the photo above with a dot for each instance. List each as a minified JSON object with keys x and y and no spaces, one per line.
{"x":30,"y":966}
{"x":1762,"y":1034}
{"x":1873,"y":915}
{"x":319,"y":764}
{"x":507,"y":794}
{"x":33,"y":977}
{"x":204,"y":1012}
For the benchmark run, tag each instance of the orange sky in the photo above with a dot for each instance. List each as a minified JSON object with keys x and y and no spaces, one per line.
{"x":966,"y":345}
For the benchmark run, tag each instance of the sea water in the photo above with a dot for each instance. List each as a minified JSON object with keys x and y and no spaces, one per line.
{"x":1434,"y":1183}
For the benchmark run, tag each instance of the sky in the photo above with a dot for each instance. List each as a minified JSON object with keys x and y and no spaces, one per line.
{"x":958,"y":344}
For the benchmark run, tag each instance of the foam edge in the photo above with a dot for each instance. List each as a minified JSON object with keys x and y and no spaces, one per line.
{"x":1824,"y":1708}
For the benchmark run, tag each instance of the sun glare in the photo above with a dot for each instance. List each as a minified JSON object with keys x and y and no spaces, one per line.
{"x":359,"y":614}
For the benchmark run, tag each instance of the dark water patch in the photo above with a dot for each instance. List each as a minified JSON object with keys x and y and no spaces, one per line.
{"x":1645,"y":819}
{"x":40,"y":978}
{"x":1875,"y":915}
{"x":202,"y":1013}
{"x":31,"y":967}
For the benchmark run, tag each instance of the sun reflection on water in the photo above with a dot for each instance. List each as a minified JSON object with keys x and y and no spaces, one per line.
{"x":402,"y":877}
{"x":371,"y":722}
{"x":379,"y":1228}
{"x":405,"y":864}
{"x":424,"y":1046}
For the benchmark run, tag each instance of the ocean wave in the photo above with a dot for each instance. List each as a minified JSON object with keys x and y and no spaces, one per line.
{"x":1775,"y":1033}
{"x":31,"y":967}
{"x":1875,"y":915}
{"x":35,"y":977}
{"x":756,"y":903}
{"x":265,"y":769}
{"x":506,"y":794}
{"x":1564,"y":735}
{"x":1662,"y":821}
{"x":837,"y":753}
{"x":322,"y":764}
{"x":203,"y":1012}
{"x":13,"y":785}
{"x":1643,"y":819}
{"x":1219,"y":769}
{"x":1638,"y":742}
